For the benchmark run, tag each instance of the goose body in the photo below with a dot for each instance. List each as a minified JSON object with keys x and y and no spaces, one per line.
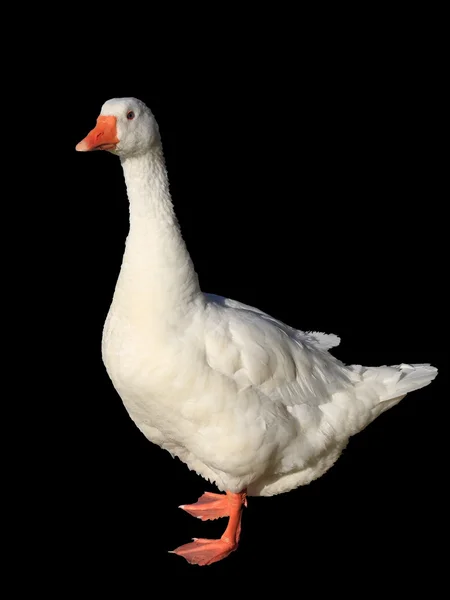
{"x":246,"y":401}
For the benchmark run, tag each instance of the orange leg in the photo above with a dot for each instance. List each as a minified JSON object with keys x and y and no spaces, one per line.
{"x":212,"y":506}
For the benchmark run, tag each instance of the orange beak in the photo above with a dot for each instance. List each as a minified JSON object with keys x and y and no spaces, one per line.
{"x":102,"y":137}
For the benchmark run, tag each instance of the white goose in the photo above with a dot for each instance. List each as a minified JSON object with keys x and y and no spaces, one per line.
{"x":248,"y":402}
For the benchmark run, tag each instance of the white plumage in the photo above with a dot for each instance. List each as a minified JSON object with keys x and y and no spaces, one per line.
{"x":243,"y":399}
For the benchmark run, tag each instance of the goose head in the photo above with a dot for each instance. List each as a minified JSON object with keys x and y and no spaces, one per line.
{"x":125,"y":127}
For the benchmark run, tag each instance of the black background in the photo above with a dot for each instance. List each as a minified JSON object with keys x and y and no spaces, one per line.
{"x":308,"y":185}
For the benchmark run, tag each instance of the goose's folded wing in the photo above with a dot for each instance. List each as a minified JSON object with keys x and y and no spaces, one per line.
{"x":323,"y":341}
{"x":256,"y":350}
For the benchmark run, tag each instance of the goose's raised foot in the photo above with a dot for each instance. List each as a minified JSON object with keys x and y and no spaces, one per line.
{"x":212,"y":506}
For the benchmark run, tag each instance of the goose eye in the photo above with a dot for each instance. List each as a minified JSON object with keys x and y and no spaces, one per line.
{"x":130,"y":115}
